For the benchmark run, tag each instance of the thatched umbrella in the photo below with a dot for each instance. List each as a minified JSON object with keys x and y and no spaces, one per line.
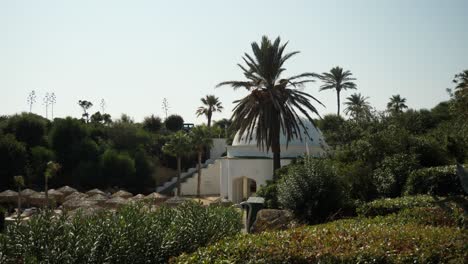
{"x":138,"y":197}
{"x":8,"y":196}
{"x":79,"y":203}
{"x":99,"y":198}
{"x":75,"y":195}
{"x":27,"y":192}
{"x":66,"y":190}
{"x":156,"y":198}
{"x":56,"y":195}
{"x":123,"y":194}
{"x":116,"y":202}
{"x":176,"y":200}
{"x":38,"y":199}
{"x":95,"y":191}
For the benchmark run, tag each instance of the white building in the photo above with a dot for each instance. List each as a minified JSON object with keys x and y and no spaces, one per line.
{"x":246,"y":167}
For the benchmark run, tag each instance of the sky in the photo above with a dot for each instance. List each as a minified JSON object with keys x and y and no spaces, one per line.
{"x":134,"y":53}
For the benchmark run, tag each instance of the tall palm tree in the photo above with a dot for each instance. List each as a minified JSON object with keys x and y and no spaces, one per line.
{"x":201,"y":139}
{"x":338,"y":80}
{"x":396,"y":104}
{"x":178,"y":146}
{"x":273,"y":103}
{"x":357,"y":106}
{"x":211,"y":104}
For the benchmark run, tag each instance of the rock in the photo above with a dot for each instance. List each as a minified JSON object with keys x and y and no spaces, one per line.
{"x":272,"y":219}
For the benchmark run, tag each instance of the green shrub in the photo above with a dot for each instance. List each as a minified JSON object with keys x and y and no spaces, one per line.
{"x":440,"y":181}
{"x":388,"y":205}
{"x":131,"y":235}
{"x":377,"y":240}
{"x":312,"y":190}
{"x":390,"y":177}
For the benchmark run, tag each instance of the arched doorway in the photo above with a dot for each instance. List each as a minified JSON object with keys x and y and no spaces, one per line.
{"x":242,"y":188}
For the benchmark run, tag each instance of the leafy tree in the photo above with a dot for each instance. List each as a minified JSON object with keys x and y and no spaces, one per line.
{"x":174,"y":123}
{"x":211,"y":104}
{"x":338,"y":80}
{"x":38,"y":160}
{"x":13,"y":159}
{"x":19,"y":182}
{"x":106,"y":119}
{"x":357,"y":107}
{"x":51,"y":171}
{"x":272,"y":103}
{"x":392,"y":173}
{"x":127,"y":136}
{"x":144,"y":168}
{"x":179,"y":145}
{"x":85,"y":105}
{"x":97,"y":117}
{"x":118,"y":169}
{"x":28,"y":128}
{"x":152,"y":123}
{"x":460,"y":96}
{"x":396,"y":104}
{"x":201,"y":138}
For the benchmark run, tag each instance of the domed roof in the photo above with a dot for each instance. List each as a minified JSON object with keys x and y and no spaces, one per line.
{"x":312,"y":143}
{"x":314,"y":137}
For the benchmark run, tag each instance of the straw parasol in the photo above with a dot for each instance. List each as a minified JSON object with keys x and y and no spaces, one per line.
{"x":66,"y":190}
{"x":123,"y":194}
{"x":27,"y":192}
{"x":8,"y":196}
{"x":56,"y":195}
{"x":156,"y":197}
{"x":116,"y":202}
{"x":95,"y":191}
{"x":75,"y":195}
{"x":176,"y":200}
{"x":38,"y":199}
{"x":99,"y":198}
{"x":138,"y":197}
{"x":79,"y":203}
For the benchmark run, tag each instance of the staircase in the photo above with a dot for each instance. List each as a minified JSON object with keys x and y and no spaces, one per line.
{"x":170,"y":185}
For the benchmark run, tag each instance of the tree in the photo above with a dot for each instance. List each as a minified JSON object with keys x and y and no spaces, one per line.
{"x":178,"y":145}
{"x":28,"y":128}
{"x":31,"y":100}
{"x":97,"y":118}
{"x":19,"y":182}
{"x":152,"y":123}
{"x":106,"y":118}
{"x":460,"y":96}
{"x":339,"y":80}
{"x":357,"y":107}
{"x":174,"y":123}
{"x":211,"y":104}
{"x":85,"y":105}
{"x":117,"y":168}
{"x":201,"y":138}
{"x":13,"y":159}
{"x":273,"y":103}
{"x":51,"y":171}
{"x":396,"y":104}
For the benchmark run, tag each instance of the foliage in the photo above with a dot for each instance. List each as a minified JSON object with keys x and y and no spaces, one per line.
{"x":357,"y":107}
{"x":272,"y":103}
{"x":13,"y":159}
{"x":152,"y":123}
{"x":391,"y":205}
{"x":211,"y":104}
{"x":27,"y":128}
{"x":390,"y":177}
{"x":133,"y":234}
{"x":421,"y":236}
{"x":118,"y":169}
{"x":440,"y":181}
{"x":396,"y":104}
{"x":313,"y":190}
{"x":174,"y":123}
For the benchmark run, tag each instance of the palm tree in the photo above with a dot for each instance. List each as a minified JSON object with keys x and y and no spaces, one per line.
{"x":50,"y":172}
{"x":178,"y":145}
{"x":396,"y":104}
{"x":273,"y":103}
{"x":211,"y":104}
{"x":337,"y":79}
{"x":357,"y":106}
{"x":201,"y":138}
{"x":19,"y":182}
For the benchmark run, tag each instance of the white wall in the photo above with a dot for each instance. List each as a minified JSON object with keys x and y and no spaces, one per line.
{"x":209,"y":181}
{"x":219,"y":147}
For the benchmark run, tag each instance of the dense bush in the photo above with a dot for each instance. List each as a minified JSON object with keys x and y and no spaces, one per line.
{"x":28,"y":128}
{"x":387,"y":205}
{"x":401,"y":238}
{"x":313,"y":190}
{"x":174,"y":123}
{"x":13,"y":159}
{"x":131,"y":235}
{"x":435,"y":181}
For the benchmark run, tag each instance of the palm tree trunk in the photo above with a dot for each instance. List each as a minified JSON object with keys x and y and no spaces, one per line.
{"x":19,"y":202}
{"x":276,"y":149}
{"x":209,"y":119}
{"x":46,"y":191}
{"x":179,"y":171}
{"x":338,"y":101}
{"x":199,"y":173}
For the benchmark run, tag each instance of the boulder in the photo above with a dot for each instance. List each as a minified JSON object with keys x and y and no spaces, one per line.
{"x":273,"y":219}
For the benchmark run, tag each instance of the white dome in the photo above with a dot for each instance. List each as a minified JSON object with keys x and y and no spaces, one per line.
{"x":242,"y":146}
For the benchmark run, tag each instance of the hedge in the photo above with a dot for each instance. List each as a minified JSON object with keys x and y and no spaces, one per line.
{"x":360,"y":240}
{"x":440,"y":181}
{"x":131,"y":235}
{"x":391,"y":205}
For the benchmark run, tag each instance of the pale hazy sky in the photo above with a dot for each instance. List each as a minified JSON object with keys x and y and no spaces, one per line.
{"x":135,"y":53}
